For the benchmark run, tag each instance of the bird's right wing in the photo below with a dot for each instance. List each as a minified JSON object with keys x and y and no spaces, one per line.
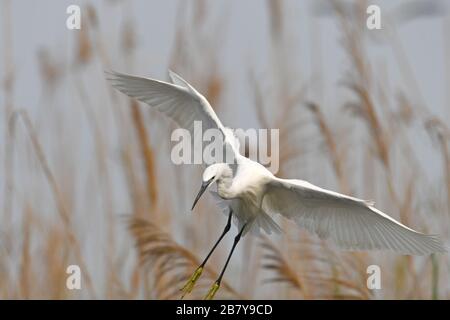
{"x":350,"y":222}
{"x":178,"y":100}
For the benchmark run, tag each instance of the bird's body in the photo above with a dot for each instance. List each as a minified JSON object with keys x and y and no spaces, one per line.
{"x":253,"y":195}
{"x":244,"y":194}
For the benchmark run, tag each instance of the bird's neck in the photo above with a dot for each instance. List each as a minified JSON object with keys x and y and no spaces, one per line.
{"x":225,"y":189}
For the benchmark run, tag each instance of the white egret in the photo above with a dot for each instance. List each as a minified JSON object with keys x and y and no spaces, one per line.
{"x":252,"y":193}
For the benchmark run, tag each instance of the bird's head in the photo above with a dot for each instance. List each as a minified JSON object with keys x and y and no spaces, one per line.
{"x":213,"y":173}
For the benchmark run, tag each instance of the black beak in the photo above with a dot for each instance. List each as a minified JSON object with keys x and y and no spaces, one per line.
{"x":202,"y":190}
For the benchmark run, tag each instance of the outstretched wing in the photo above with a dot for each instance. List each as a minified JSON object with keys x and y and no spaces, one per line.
{"x":350,"y":222}
{"x":179,"y":101}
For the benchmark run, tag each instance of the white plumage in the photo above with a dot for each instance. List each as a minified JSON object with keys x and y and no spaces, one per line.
{"x":178,"y":100}
{"x":350,"y":222}
{"x":254,"y":194}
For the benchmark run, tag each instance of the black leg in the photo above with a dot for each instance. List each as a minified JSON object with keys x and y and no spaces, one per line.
{"x":216,"y":284}
{"x":187,"y":288}
{"x":227,"y":228}
{"x":236,"y":240}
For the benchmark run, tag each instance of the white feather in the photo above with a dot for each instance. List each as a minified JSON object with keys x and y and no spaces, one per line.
{"x":178,"y":100}
{"x":350,"y":222}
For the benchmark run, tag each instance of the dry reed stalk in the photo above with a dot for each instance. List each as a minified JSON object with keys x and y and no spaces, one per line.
{"x":104,"y":176}
{"x":178,"y":49}
{"x":434,"y":278}
{"x":135,"y":194}
{"x":8,"y":83}
{"x":191,"y":34}
{"x":98,"y":45}
{"x":249,"y":280}
{"x":50,"y":71}
{"x":406,"y":206}
{"x":438,"y":130}
{"x":370,"y":116}
{"x":128,"y":37}
{"x":63,"y":213}
{"x":400,"y":273}
{"x":167,"y":259}
{"x":317,"y":274}
{"x":273,"y":260}
{"x":290,"y":150}
{"x":288,"y":128}
{"x":25,"y":264}
{"x":85,"y":52}
{"x":347,"y":270}
{"x":55,"y":255}
{"x":407,"y":71}
{"x":214,"y":88}
{"x":355,"y":291}
{"x":331,"y":144}
{"x":276,"y":18}
{"x":259,"y":102}
{"x":139,"y":206}
{"x":146,"y":153}
{"x":361,"y":87}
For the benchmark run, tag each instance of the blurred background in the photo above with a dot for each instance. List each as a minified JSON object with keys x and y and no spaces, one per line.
{"x":86,"y":172}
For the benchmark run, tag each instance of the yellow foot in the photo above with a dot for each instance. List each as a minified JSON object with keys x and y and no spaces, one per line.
{"x":187,"y":288}
{"x":212,"y":291}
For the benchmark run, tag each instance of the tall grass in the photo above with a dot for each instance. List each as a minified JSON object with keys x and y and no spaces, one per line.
{"x":90,"y":183}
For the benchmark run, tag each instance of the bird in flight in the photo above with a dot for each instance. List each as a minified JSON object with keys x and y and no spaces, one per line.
{"x":252,"y":194}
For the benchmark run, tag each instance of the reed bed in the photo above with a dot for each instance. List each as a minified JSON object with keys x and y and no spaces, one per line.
{"x":89,"y":181}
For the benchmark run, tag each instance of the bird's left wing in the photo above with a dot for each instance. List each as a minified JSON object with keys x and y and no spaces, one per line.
{"x":178,"y":100}
{"x":350,"y":222}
